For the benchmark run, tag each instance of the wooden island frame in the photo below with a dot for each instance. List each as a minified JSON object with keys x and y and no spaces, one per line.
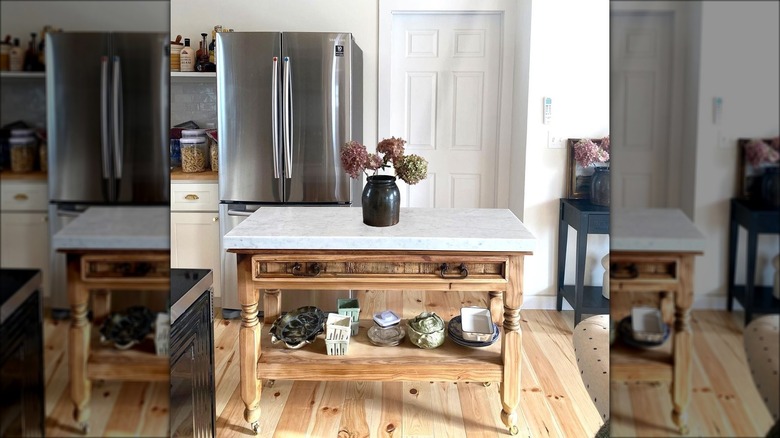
{"x":497,"y":273}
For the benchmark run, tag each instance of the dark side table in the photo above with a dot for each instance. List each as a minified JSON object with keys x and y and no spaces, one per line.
{"x":756,"y":219}
{"x":586,"y":218}
{"x":193,"y":407}
{"x":21,"y":353}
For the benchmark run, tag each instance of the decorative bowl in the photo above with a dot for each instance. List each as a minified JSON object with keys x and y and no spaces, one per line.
{"x":299,"y":327}
{"x":129,"y":328}
{"x":426,"y":330}
{"x":455,"y":332}
{"x":477,"y":324}
{"x":386,"y":336}
{"x":625,"y":333}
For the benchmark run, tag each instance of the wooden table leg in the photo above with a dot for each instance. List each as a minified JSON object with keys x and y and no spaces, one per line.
{"x":249,"y":342}
{"x":272,"y":305}
{"x":78,"y":343}
{"x":681,"y":381}
{"x":496,"y":306}
{"x":511,"y":347}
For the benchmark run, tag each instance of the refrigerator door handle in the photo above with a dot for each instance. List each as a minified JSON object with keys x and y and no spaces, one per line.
{"x":275,"y":114}
{"x":239,"y":213}
{"x":104,"y":134}
{"x":116,"y":113}
{"x":287,"y":116}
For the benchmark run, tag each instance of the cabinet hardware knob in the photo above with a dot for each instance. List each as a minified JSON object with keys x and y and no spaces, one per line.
{"x":191,"y":197}
{"x":446,"y":267}
{"x":20,"y":197}
{"x":215,"y":219}
{"x":46,"y":218}
{"x":314,"y":270}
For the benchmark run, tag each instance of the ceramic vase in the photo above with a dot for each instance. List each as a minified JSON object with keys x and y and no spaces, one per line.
{"x":599,"y":187}
{"x":381,"y":201}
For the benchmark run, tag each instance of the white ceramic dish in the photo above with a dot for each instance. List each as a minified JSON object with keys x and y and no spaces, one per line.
{"x":647,"y":324}
{"x":386,"y":318}
{"x":477,"y":324}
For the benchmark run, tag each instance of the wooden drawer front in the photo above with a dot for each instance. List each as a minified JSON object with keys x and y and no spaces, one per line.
{"x":655,"y":270}
{"x":23,"y":197}
{"x":154,"y":268}
{"x":353,"y":269}
{"x":194,"y":197}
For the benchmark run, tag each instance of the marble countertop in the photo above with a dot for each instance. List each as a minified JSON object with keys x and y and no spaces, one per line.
{"x":117,"y":227}
{"x":653,"y":229}
{"x":419,"y":229}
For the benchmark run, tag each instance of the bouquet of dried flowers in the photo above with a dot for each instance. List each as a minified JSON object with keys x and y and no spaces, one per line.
{"x":758,"y":152}
{"x":587,"y":152}
{"x":389,"y":152}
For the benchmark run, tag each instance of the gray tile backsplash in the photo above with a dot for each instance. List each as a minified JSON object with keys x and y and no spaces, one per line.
{"x":194,"y":99}
{"x":23,"y":99}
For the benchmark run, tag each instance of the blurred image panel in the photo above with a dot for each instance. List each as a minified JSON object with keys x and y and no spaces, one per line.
{"x":695,"y":208}
{"x":85,"y":217}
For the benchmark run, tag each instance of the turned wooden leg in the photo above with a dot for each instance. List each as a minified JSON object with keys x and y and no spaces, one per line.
{"x":272,"y":305}
{"x":249,"y":342}
{"x":681,"y":381}
{"x":496,"y":306}
{"x":78,"y":343}
{"x":511,"y":347}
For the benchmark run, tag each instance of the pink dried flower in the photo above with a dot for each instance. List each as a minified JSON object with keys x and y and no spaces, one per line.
{"x":758,"y":152}
{"x":374,"y":162}
{"x":605,"y":144}
{"x":586,"y":152}
{"x":393,"y":148}
{"x":776,"y":143}
{"x":354,"y":158}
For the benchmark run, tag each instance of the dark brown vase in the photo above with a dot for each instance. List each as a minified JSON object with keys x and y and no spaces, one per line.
{"x":381,"y":201}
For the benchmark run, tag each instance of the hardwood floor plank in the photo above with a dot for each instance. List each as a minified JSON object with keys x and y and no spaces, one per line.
{"x":391,"y":417}
{"x":478,"y":416}
{"x":418,"y":409}
{"x":329,"y":409}
{"x":448,"y":421}
{"x":297,"y":413}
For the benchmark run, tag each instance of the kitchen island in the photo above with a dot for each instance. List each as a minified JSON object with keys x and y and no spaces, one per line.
{"x":653,"y":250}
{"x":111,"y":248}
{"x":329,"y":248}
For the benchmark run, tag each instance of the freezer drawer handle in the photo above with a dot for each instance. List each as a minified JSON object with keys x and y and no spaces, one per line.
{"x":20,"y":197}
{"x":192,"y":197}
{"x":314,"y":270}
{"x":446,"y":267}
{"x":239,"y":213}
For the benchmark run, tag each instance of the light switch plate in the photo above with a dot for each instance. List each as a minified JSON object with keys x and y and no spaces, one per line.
{"x":555,"y":141}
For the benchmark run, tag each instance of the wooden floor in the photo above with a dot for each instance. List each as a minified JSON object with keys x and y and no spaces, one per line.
{"x":554,"y":401}
{"x":724,"y":400}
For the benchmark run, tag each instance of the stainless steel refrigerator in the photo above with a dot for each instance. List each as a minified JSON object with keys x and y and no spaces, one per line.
{"x":287,"y":101}
{"x":107,"y":103}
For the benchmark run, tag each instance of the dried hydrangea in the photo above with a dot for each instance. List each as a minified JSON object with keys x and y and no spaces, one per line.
{"x":758,"y":152}
{"x":776,"y":143}
{"x":354,"y":158}
{"x":605,"y":144}
{"x":586,"y":152}
{"x":411,"y":169}
{"x":393,"y":148}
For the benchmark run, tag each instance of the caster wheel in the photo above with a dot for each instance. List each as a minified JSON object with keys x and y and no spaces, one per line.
{"x":486,"y":384}
{"x":271,"y":383}
{"x":256,"y":428}
{"x":514,"y":430}
{"x":84,"y":428}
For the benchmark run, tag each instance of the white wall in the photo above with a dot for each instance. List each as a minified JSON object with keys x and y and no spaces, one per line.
{"x":739,"y":61}
{"x":569,"y":61}
{"x":190,"y":18}
{"x":19,"y":18}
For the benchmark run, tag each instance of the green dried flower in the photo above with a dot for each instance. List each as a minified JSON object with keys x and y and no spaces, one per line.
{"x":411,"y":169}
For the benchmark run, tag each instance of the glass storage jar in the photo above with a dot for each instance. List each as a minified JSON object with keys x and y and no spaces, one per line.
{"x":194,"y":154}
{"x":23,"y":151}
{"x":187,"y":133}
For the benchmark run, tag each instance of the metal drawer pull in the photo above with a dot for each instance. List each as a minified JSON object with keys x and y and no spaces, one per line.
{"x":623,"y":271}
{"x":20,"y":197}
{"x":191,"y":197}
{"x":462,"y":268}
{"x":215,"y":219}
{"x":314,"y":270}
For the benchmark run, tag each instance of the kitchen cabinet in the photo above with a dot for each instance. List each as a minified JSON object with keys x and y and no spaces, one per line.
{"x":24,"y":229}
{"x":195,"y":224}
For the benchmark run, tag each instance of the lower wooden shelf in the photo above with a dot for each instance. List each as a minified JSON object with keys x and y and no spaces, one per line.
{"x":629,"y":364}
{"x":365,"y":361}
{"x":139,"y":363}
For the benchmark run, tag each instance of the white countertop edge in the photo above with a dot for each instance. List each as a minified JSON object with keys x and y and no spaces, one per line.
{"x":110,"y":243}
{"x":378,"y":244}
{"x":656,"y":245}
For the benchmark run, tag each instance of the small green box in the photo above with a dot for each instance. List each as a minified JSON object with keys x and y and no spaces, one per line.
{"x":349,"y":306}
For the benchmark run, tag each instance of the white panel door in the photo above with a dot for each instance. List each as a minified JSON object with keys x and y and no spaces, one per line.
{"x":640,"y":96}
{"x":444,"y":102}
{"x":25,"y":242}
{"x":195,"y":243}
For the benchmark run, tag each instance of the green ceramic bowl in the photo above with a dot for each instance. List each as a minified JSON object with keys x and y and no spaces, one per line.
{"x":426,"y":330}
